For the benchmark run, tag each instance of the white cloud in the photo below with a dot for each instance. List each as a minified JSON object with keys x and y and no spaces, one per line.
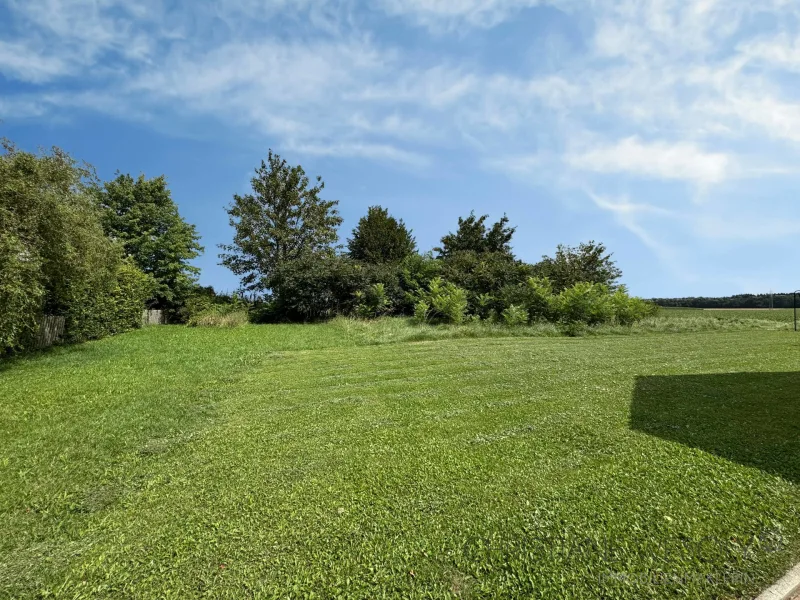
{"x":382,"y":152}
{"x":662,"y":160}
{"x":19,"y":61}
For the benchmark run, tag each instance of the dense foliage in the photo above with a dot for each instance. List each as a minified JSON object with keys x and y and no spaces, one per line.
{"x":142,"y":216}
{"x":285,"y":249}
{"x":96,"y":254}
{"x":472,"y":235}
{"x":55,"y":258}
{"x":589,"y":262}
{"x":284,"y":220}
{"x":380,"y":238}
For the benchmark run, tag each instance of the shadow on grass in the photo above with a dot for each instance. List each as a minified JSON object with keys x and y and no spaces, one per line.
{"x":749,"y":418}
{"x":9,"y":361}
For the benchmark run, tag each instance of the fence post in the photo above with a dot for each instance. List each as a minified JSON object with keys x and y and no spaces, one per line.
{"x":51,"y":328}
{"x":152,"y":317}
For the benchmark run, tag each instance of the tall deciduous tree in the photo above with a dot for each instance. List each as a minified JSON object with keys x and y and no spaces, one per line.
{"x":589,"y":262}
{"x":472,"y":235}
{"x":283,"y":220}
{"x":142,"y":216}
{"x":380,"y":238}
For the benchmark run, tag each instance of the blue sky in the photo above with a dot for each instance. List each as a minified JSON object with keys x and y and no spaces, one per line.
{"x":667,"y":129}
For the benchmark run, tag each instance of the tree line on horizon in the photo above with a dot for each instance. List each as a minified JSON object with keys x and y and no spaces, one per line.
{"x":782,"y":300}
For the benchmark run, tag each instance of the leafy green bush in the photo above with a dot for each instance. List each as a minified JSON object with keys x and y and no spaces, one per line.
{"x":485,"y":305}
{"x":416,"y":273}
{"x":515,"y":315}
{"x":421,"y":310}
{"x":108,"y":303}
{"x":316,"y":287}
{"x":373,"y":302}
{"x":482,"y":274}
{"x":133,"y":289}
{"x":55,"y":258}
{"x":535,"y":295}
{"x":21,"y":292}
{"x":447,"y":303}
{"x":584,"y":302}
{"x":628,"y":309}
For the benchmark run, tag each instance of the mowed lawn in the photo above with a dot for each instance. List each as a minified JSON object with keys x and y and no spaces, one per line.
{"x":302,"y":461}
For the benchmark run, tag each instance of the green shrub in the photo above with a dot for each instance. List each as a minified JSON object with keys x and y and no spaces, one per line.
{"x":584,"y":302}
{"x":515,"y":315}
{"x":483,"y":273}
{"x":415,"y":274}
{"x":535,"y":295}
{"x":447,"y":302}
{"x":484,"y":305}
{"x":133,"y":289}
{"x":111,"y":303}
{"x":421,"y":310}
{"x":629,"y":310}
{"x":317,"y":287}
{"x":373,"y":302}
{"x":21,"y":293}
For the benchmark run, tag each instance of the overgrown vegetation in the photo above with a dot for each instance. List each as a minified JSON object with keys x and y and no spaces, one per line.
{"x":285,"y":250}
{"x":55,"y":258}
{"x":142,"y":216}
{"x":95,"y":253}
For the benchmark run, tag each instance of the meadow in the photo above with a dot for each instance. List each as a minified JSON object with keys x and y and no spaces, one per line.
{"x":386,"y":459}
{"x":781,"y":315}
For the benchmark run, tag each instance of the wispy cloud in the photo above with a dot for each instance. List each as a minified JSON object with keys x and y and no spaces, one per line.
{"x":680,"y":160}
{"x":665,"y":100}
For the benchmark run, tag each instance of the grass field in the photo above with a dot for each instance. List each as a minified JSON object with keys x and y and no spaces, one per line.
{"x":362,"y":460}
{"x":780,"y":315}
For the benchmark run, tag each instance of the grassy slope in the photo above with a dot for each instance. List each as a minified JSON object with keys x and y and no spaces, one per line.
{"x":284,"y":460}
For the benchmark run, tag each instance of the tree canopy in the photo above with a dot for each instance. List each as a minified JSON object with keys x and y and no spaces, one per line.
{"x":472,"y":235}
{"x":380,"y":238}
{"x":590,"y":262}
{"x":141,"y":214}
{"x":283,"y":220}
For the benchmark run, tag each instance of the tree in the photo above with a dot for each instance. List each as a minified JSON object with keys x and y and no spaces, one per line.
{"x":55,"y":258}
{"x":142,"y":216}
{"x":380,"y":238}
{"x":473,"y":236}
{"x":590,"y":262}
{"x":283,"y":220}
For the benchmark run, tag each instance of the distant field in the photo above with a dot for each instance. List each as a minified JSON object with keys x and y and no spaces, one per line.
{"x":782,"y":315}
{"x":321,"y":461}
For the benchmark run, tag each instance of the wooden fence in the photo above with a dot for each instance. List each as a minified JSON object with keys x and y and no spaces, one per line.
{"x":153,"y":317}
{"x":50,"y":330}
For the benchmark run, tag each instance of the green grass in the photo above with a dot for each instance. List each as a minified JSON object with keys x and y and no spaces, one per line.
{"x":780,"y":315}
{"x":348,"y":460}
